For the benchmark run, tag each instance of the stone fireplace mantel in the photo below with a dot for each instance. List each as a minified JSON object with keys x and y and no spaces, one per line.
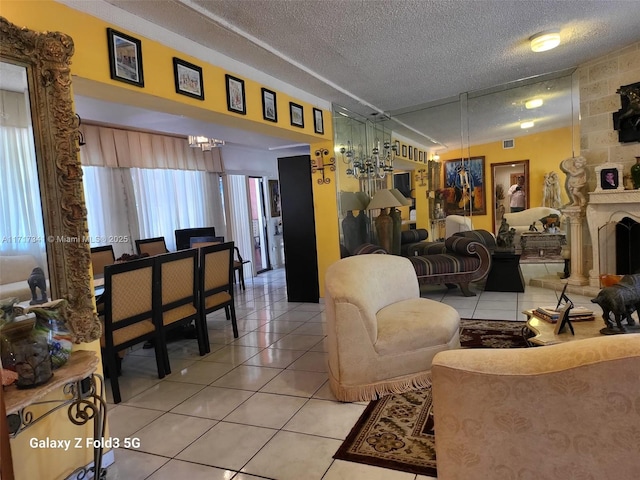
{"x":607,"y":207}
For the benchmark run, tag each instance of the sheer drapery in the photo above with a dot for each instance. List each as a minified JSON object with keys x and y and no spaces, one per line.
{"x":240,"y":223}
{"x":21,"y":222}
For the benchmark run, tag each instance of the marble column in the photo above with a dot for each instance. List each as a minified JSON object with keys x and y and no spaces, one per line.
{"x":576,"y":216}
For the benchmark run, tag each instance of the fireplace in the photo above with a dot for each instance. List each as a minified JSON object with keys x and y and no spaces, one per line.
{"x":613,"y":218}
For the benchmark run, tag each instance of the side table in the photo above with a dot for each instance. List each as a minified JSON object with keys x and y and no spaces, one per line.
{"x":543,"y":332}
{"x":83,"y":391}
{"x":505,"y":274}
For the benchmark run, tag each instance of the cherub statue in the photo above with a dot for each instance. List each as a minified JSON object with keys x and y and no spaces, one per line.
{"x":551,"y":191}
{"x":576,"y":184}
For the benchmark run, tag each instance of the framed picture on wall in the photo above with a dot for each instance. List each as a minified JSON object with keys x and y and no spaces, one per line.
{"x":188,"y":79}
{"x":235,"y":95}
{"x":404,"y":151}
{"x":318,"y":123}
{"x":297,"y":116}
{"x":125,"y":58}
{"x":274,"y":198}
{"x":464,"y":186}
{"x":410,"y":152}
{"x":269,"y":106}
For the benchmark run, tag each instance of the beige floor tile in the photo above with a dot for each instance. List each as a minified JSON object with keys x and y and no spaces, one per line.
{"x":325,"y":393}
{"x":177,"y":469}
{"x":497,"y":314}
{"x":311,"y":328}
{"x":213,"y":402}
{"x":258,"y":339}
{"x":311,"y":362}
{"x":278,"y":326}
{"x":275,"y":358}
{"x":176,"y":431}
{"x":296,"y":316}
{"x":280,"y":458}
{"x":227,"y":445}
{"x":338,"y":418}
{"x":124,"y":420}
{"x":247,"y":377}
{"x":164,"y":396}
{"x":296,"y":383}
{"x":297,"y":342}
{"x":266,"y":410}
{"x":505,"y":304}
{"x":341,"y":470}
{"x":202,"y":373}
{"x":233,"y":354}
{"x":132,"y":465}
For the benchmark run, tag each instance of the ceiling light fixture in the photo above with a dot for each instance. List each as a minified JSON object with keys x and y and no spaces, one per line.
{"x":205,"y":143}
{"x":543,"y":41}
{"x":533,"y":103}
{"x":525,"y":125}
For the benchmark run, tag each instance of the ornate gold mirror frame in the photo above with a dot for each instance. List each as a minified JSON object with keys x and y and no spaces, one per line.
{"x":46,"y":57}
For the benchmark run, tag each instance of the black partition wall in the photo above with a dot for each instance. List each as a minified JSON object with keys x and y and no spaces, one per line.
{"x":299,"y":229}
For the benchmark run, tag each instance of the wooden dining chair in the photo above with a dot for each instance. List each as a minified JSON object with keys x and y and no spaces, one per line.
{"x":216,"y":284}
{"x":197,"y":242}
{"x":128,"y":315}
{"x":238,"y":266}
{"x":151,"y":246}
{"x":100,"y":258}
{"x":176,"y":283}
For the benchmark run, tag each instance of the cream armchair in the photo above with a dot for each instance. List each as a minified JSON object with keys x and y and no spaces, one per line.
{"x":381,"y":336}
{"x":563,"y":411}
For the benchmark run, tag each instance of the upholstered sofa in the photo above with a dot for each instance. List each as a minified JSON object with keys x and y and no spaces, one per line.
{"x":461,"y":259}
{"x":570,"y":410}
{"x":521,"y":221}
{"x":381,"y":336}
{"x":14,"y":272}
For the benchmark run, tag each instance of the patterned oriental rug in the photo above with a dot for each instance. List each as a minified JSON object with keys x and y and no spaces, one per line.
{"x":397,"y":431}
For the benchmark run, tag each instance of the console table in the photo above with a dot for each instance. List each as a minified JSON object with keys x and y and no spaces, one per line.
{"x":83,"y":391}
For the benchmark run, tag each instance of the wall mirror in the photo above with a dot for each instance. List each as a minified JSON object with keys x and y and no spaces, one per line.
{"x":56,"y":236}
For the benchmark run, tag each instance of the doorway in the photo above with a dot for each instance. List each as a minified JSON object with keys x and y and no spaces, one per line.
{"x":503,"y":175}
{"x":258,"y":218}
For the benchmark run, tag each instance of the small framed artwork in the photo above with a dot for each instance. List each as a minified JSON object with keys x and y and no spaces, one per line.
{"x":235,"y":95}
{"x":274,"y":198}
{"x":125,"y":58}
{"x":410,"y":152}
{"x":404,"y":151}
{"x":318,"y":123}
{"x":421,"y":156}
{"x":297,"y":117}
{"x":269,"y":107}
{"x":188,"y":79}
{"x":608,"y":177}
{"x":397,"y":144}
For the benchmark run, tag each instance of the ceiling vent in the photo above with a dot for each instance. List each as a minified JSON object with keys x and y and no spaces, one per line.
{"x":508,"y":143}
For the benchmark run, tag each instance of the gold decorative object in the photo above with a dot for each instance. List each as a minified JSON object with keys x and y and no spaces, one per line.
{"x":319,"y":164}
{"x":46,"y":57}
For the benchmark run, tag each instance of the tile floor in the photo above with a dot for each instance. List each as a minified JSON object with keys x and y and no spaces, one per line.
{"x":259,"y":407}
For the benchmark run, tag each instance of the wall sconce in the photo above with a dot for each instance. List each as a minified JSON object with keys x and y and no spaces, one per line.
{"x":377,"y":165}
{"x":319,"y":164}
{"x":422,"y":176}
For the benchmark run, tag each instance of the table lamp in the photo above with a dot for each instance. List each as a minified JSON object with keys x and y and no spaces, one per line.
{"x":382,"y":200}
{"x":397,"y":219}
{"x":351,"y":230}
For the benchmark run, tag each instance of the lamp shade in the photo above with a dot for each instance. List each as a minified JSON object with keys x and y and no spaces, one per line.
{"x":383,"y":199}
{"x":364,"y":199}
{"x":350,"y":201}
{"x":398,"y":194}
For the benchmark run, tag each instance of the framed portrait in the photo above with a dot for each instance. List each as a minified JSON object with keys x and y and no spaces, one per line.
{"x":269,"y":106}
{"x":397,"y":144}
{"x":464,"y":186}
{"x":235,"y":95}
{"x":297,"y":115}
{"x":410,"y":152}
{"x":188,"y":79}
{"x":609,"y":177}
{"x":404,"y":151}
{"x":318,"y":123}
{"x":274,"y":198}
{"x":125,"y":58}
{"x":421,"y":156}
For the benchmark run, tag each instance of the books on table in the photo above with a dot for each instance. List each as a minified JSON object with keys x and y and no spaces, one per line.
{"x":576,"y":314}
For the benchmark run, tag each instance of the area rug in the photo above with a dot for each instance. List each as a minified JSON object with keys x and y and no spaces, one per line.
{"x":397,"y":431}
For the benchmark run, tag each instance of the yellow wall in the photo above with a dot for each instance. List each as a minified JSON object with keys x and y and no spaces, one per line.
{"x":544,"y":151}
{"x":90,"y":71}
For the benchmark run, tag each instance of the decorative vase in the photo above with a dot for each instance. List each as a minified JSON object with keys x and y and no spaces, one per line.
{"x":29,"y":352}
{"x":351,"y":232}
{"x":384,"y":230}
{"x":635,"y":173}
{"x":364,"y":225}
{"x":396,"y":216}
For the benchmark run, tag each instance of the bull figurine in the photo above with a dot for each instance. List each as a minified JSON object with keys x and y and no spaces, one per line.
{"x":622,"y":300}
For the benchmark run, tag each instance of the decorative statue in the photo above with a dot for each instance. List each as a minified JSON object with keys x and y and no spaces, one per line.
{"x":551,"y":191}
{"x":504,"y":239}
{"x":37,"y":280}
{"x":576,"y":184}
{"x":620,"y":299}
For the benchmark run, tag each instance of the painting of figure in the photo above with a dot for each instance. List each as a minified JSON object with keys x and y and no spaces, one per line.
{"x":464,"y":186}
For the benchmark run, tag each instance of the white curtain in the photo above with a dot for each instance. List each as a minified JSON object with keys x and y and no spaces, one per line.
{"x":21,"y":222}
{"x":167,"y":200}
{"x":111,"y":208}
{"x":240,"y":222}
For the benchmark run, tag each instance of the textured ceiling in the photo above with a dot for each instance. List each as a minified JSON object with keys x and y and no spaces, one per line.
{"x":401,"y":56}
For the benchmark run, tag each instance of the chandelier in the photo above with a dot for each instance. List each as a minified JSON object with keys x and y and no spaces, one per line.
{"x":376,"y":165}
{"x":205,"y":143}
